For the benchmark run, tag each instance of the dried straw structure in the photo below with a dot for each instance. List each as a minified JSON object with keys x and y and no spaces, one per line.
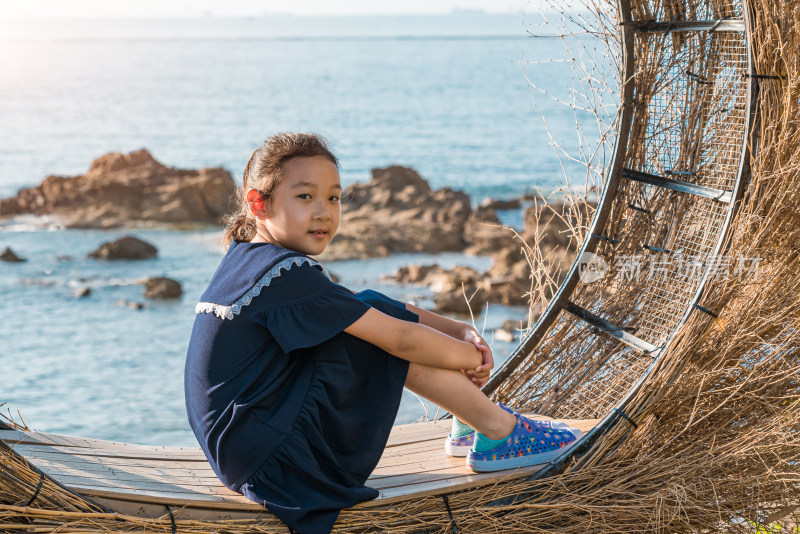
{"x":712,"y":436}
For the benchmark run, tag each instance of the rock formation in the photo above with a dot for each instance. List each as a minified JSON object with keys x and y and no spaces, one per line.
{"x":162,"y":288}
{"x":397,"y":211}
{"x":508,"y":282}
{"x":9,"y":256}
{"x":82,"y":292}
{"x":125,"y":189}
{"x":125,"y":248}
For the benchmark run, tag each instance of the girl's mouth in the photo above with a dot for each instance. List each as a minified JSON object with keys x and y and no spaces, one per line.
{"x":319,"y":233}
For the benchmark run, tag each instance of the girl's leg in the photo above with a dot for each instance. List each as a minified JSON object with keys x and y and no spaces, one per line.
{"x":456,"y":393}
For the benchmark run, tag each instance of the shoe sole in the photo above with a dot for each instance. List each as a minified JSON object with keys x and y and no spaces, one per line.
{"x":459,"y":451}
{"x":483,"y":466}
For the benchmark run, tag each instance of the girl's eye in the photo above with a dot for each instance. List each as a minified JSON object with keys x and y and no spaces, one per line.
{"x":304,"y":196}
{"x":334,"y":198}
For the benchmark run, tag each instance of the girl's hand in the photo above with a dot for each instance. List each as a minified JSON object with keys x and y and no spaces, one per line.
{"x":480,"y":374}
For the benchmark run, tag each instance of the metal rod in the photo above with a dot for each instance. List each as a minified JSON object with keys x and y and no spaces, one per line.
{"x":605,"y":238}
{"x":677,"y":185}
{"x":656,"y":249}
{"x":617,"y":332}
{"x":638,"y":208}
{"x":720,"y":25}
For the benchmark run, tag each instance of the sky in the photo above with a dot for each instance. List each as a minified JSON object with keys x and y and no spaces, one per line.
{"x":180,"y":8}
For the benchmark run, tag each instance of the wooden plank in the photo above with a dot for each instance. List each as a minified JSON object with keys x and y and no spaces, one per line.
{"x":439,"y":487}
{"x":132,"y":453}
{"x":158,"y":465}
{"x":132,"y":485}
{"x":11,"y":437}
{"x":112,"y":472}
{"x":233,"y":502}
{"x":404,"y":434}
{"x":196,"y":513}
{"x":440,"y":472}
{"x":411,"y":458}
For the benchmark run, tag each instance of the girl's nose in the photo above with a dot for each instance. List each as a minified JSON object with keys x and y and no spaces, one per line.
{"x":321,"y":210}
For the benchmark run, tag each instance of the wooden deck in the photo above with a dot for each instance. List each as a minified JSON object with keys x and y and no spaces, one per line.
{"x":142,"y":479}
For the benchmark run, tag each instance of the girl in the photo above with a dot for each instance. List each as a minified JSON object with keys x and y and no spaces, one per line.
{"x":293,"y":382}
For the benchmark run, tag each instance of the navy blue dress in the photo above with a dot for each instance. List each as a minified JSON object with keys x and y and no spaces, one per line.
{"x":290,"y":411}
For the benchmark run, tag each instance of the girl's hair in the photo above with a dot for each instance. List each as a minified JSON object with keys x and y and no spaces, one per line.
{"x":264,"y":172}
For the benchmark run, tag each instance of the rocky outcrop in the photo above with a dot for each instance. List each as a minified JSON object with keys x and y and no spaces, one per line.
{"x":82,"y":292}
{"x":9,"y":256}
{"x":484,"y":234}
{"x":509,"y":281}
{"x":161,"y":288}
{"x":131,"y":304}
{"x":397,"y":211}
{"x":125,"y":189}
{"x":495,"y":204}
{"x":125,"y":248}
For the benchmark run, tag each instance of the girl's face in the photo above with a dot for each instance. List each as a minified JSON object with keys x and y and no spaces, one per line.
{"x":304,"y":210}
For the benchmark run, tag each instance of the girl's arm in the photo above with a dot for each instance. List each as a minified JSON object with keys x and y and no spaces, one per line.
{"x":415,"y":342}
{"x":464,"y":332}
{"x":448,"y":326}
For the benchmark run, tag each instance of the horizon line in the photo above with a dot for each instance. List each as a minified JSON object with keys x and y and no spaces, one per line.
{"x":270,"y":15}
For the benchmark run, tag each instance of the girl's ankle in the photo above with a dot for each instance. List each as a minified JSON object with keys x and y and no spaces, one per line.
{"x":483,"y":443}
{"x":501,"y":428}
{"x":460,"y":429}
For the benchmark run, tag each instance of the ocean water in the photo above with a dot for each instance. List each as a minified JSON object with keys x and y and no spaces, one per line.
{"x":447,"y":95}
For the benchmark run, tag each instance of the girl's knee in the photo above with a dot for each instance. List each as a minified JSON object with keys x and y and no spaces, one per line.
{"x":415,"y":372}
{"x":420,"y":374}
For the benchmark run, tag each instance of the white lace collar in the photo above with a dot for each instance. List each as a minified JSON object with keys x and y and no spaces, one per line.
{"x":227,"y":312}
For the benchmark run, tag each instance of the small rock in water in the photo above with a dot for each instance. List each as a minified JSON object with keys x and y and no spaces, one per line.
{"x":513,"y":326}
{"x":131,"y":304}
{"x":415,"y":274}
{"x":82,"y":292}
{"x":9,"y":256}
{"x":41,"y":282}
{"x":125,"y":248}
{"x":63,"y":257}
{"x":456,"y":301}
{"x":491,"y":203}
{"x":509,"y":331}
{"x":162,"y":288}
{"x":501,"y":334}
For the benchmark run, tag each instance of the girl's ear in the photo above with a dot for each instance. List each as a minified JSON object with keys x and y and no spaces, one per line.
{"x":255,"y":204}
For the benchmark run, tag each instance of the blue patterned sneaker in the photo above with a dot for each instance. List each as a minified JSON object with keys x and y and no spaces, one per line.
{"x":509,"y":410}
{"x":461,"y":446}
{"x":532,"y":442}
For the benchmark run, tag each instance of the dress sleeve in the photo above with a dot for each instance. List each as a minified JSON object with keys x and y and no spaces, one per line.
{"x":303,"y":308}
{"x":387,"y":305}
